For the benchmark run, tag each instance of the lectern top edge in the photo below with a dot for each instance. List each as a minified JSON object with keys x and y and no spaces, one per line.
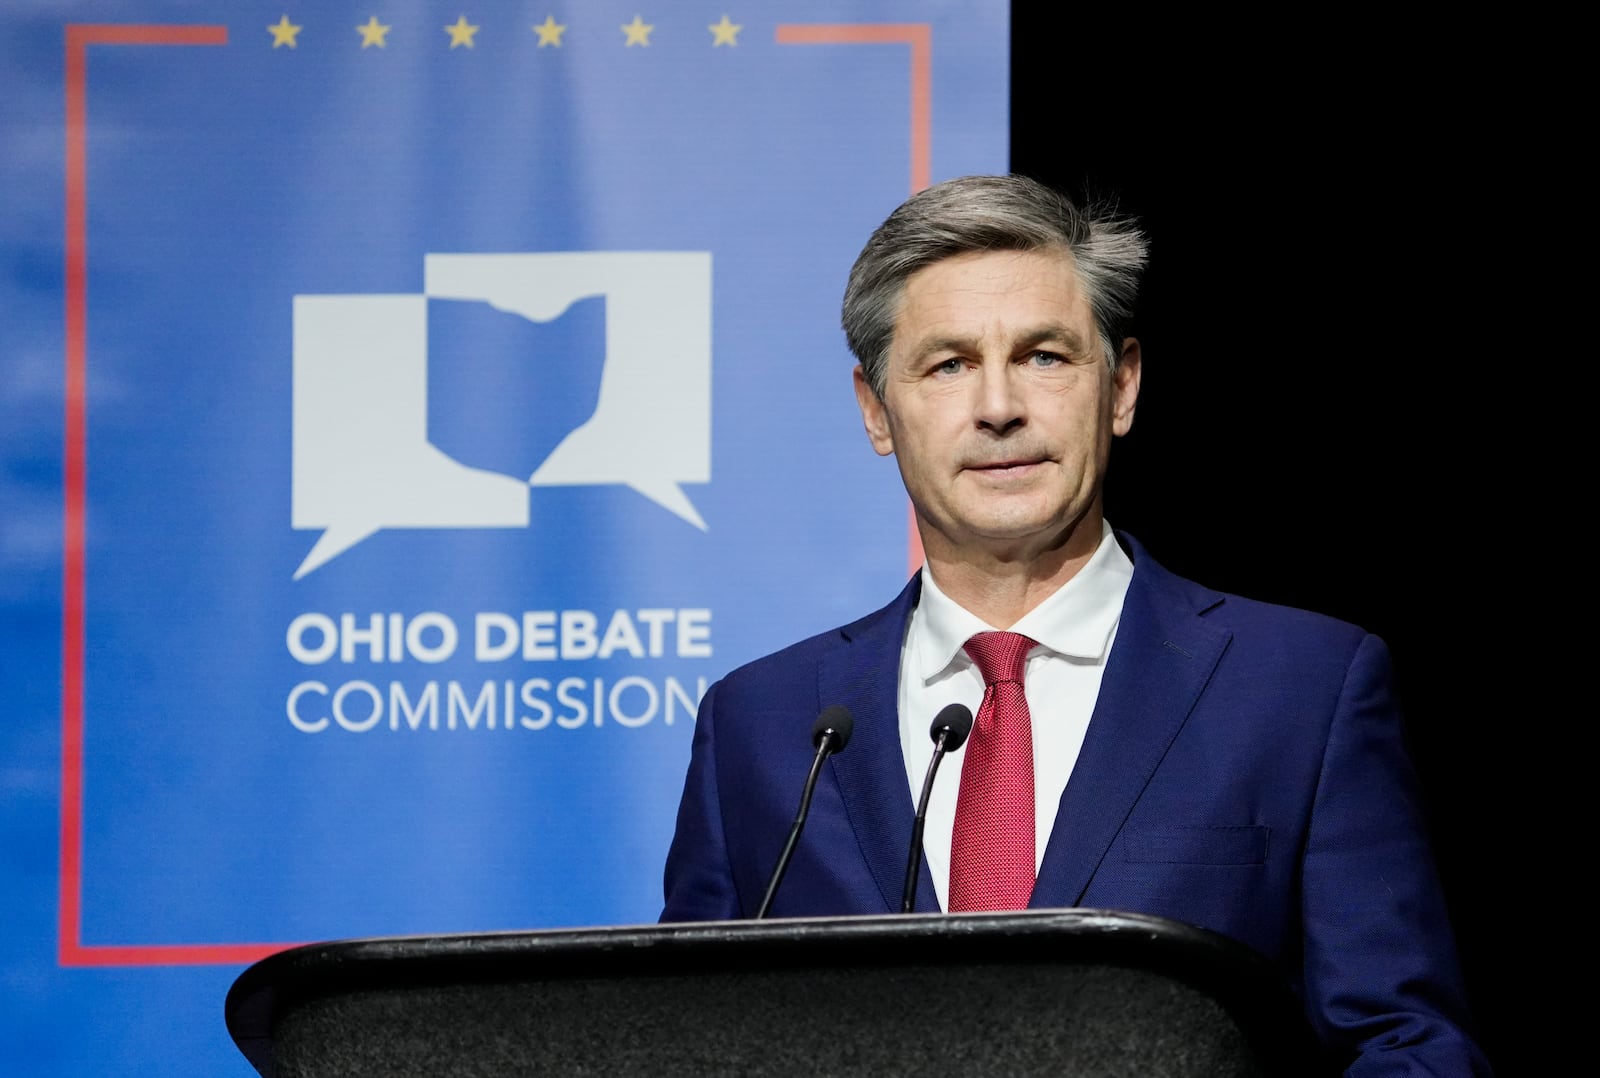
{"x":1238,"y":978}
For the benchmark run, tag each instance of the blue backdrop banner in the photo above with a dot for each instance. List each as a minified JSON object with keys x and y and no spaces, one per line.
{"x":408,"y":411}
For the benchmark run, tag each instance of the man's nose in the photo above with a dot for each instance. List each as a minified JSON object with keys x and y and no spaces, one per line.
{"x":1000,"y":405}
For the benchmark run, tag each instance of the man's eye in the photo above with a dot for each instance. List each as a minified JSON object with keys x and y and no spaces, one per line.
{"x":949,"y":366}
{"x":1047,"y":359}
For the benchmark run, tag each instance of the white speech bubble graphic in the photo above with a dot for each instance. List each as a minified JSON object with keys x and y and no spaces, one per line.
{"x":362,"y":460}
{"x":651,"y":429}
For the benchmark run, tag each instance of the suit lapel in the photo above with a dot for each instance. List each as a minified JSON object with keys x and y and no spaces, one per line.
{"x":863,"y":674}
{"x":1163,"y":655}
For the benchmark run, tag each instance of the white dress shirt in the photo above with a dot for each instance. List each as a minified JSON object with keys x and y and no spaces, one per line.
{"x":1074,"y":629}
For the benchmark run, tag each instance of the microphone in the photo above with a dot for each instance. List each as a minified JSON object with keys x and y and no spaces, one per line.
{"x":949,"y":732}
{"x":830,"y":733}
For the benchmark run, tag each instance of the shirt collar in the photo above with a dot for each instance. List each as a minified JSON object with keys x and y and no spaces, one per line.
{"x":1077,"y":621}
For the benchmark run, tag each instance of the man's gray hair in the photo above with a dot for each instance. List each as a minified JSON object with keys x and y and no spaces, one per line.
{"x":991,"y":213}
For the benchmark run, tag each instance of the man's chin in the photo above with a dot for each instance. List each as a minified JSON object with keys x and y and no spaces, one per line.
{"x":1012,"y":537}
{"x":1015,"y":536}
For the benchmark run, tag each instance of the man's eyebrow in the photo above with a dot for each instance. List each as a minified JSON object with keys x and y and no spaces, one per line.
{"x":1050,"y":333}
{"x":1054,"y":333}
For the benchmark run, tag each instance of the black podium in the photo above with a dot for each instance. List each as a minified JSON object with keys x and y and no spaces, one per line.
{"x":1076,"y":992}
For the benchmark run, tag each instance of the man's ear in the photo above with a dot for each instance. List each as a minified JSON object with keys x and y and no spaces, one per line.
{"x":1125,"y":387}
{"x":873,"y":415}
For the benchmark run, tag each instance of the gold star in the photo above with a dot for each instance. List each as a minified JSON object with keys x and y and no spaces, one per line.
{"x":724,"y":32}
{"x":461,"y":32}
{"x":638,"y":32}
{"x":284,"y":32}
{"x":373,"y":32}
{"x":550,"y":32}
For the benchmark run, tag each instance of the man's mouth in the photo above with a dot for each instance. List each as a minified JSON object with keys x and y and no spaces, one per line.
{"x":1003,"y":468}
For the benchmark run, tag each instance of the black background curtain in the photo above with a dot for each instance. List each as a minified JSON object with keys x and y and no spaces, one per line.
{"x":1334,"y":380}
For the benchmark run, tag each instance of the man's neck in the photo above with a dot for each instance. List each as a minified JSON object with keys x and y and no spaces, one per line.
{"x":1000,"y":589}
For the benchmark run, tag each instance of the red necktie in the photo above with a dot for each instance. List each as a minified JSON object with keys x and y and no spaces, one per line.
{"x":991,"y":850}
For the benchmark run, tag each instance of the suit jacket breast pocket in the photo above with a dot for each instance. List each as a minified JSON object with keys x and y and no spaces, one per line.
{"x":1240,"y":845}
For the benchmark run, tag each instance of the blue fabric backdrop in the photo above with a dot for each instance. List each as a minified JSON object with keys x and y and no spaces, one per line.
{"x":407,"y":411}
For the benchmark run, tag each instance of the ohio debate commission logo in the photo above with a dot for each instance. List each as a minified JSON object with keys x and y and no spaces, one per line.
{"x":364,"y":459}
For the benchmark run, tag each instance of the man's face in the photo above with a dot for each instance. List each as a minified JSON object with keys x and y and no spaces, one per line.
{"x":999,"y":405}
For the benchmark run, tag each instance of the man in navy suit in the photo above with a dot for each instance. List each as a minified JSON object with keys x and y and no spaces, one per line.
{"x":1188,"y":754}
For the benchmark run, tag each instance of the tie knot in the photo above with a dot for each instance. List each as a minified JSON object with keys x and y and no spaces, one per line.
{"x":1000,"y":656}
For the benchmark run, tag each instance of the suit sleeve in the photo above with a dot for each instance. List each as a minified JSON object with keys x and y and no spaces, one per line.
{"x":698,"y":882}
{"x":1380,"y":958}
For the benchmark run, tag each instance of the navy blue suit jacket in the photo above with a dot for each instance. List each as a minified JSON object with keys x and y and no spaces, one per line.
{"x":1244,"y":771}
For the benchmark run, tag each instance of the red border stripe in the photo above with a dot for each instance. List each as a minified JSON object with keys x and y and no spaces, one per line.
{"x":70,"y":949}
{"x":919,"y":36}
